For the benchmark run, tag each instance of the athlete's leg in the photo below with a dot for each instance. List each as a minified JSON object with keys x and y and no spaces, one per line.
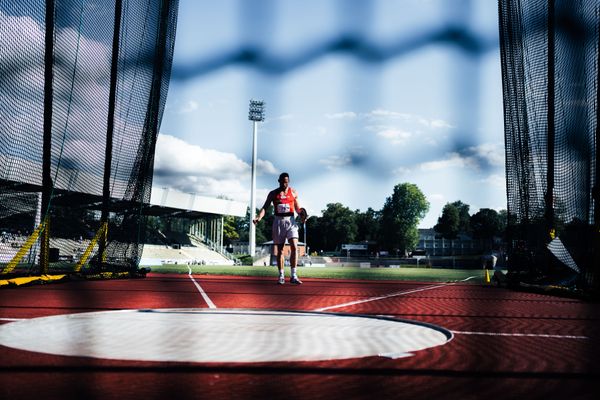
{"x":294,"y":252}
{"x":280,"y":258}
{"x":280,"y":263}
{"x":279,"y":241}
{"x":294,"y":260}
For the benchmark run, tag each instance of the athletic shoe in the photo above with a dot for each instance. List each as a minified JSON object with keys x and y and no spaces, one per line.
{"x":281,"y":280}
{"x":295,"y":280}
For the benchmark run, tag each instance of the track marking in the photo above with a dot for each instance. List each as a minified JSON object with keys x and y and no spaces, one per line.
{"x":351,"y":303}
{"x":520,"y":335}
{"x":203,"y":335}
{"x":12,"y":319}
{"x":202,"y":292}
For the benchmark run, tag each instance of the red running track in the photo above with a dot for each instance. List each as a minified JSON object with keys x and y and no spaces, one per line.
{"x":507,"y":344}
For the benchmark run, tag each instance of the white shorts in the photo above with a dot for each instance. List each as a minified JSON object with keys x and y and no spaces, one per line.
{"x":284,"y":228}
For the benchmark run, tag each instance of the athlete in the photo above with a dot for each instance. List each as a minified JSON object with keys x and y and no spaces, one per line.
{"x":285,"y":201}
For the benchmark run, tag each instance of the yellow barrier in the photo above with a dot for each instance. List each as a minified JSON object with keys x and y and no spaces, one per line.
{"x":88,"y":251}
{"x":25,"y":248}
{"x":28,"y":279}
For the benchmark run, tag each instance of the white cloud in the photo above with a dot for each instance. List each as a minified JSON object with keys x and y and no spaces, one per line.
{"x":401,"y":171}
{"x":175,"y":156}
{"x":476,"y":157}
{"x":438,"y":123}
{"x":379,"y":113}
{"x":453,"y":160}
{"x":189,"y":107}
{"x":434,"y":123}
{"x":342,"y":115}
{"x":336,"y":162}
{"x":208,"y":172}
{"x":492,"y":153}
{"x":495,"y":180}
{"x":430,"y":141}
{"x":266,"y":167}
{"x":395,"y":136}
{"x":284,"y":117}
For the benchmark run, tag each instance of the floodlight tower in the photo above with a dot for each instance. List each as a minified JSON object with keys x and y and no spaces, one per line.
{"x":256,"y":115}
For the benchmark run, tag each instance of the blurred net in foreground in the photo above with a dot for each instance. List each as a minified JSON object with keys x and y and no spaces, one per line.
{"x":81,"y":82}
{"x":550,"y":54}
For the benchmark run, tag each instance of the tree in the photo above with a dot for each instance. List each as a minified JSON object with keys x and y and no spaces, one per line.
{"x":230,"y":233}
{"x":486,"y":224}
{"x":400,"y":216}
{"x":449,"y":222}
{"x":262,"y":231}
{"x":367,"y":224}
{"x":265,"y":226}
{"x":314,"y":234}
{"x":464,"y":218}
{"x":503,"y":218}
{"x":243,"y":226}
{"x":338,"y":226}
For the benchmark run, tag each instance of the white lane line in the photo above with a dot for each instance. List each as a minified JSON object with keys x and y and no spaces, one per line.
{"x":202,"y":292}
{"x":351,"y":303}
{"x":520,"y":335}
{"x":12,"y":319}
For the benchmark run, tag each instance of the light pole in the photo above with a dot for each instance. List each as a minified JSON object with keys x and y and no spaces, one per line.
{"x":256,"y":114}
{"x":306,"y":251}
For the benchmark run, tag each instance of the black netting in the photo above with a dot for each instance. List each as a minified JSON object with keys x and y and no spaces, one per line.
{"x":83,"y":51}
{"x":549,"y":53}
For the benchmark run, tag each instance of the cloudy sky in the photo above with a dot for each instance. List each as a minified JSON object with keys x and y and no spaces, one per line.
{"x":361,"y":95}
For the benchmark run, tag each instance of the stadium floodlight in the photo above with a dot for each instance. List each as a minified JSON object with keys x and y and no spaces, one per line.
{"x":257,"y":111}
{"x":256,"y":114}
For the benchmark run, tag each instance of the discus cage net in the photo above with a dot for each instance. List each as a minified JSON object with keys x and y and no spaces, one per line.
{"x":82,"y":91}
{"x":550,"y":55}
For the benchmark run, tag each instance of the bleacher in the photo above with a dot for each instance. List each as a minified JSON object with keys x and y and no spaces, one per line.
{"x":191,"y":252}
{"x":187,"y":250}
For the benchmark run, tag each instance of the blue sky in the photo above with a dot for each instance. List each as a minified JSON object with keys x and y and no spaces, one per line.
{"x":361,"y":96}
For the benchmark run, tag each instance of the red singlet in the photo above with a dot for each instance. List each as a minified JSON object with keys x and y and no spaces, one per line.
{"x":284,"y":203}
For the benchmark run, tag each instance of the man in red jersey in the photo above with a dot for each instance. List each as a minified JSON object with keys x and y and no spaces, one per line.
{"x":285,"y":201}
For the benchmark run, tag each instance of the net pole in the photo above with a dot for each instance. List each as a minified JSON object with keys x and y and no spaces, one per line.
{"x":47,"y":135}
{"x":152,"y":121}
{"x":110,"y":130}
{"x":550,"y":123}
{"x":595,"y":271}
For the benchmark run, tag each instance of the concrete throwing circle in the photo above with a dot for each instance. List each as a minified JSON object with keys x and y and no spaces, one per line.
{"x":222,"y":335}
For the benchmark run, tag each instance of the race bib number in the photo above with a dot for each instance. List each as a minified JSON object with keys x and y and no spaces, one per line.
{"x":283,"y":208}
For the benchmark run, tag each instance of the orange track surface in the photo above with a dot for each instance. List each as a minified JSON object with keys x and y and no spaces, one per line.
{"x":474,"y":365}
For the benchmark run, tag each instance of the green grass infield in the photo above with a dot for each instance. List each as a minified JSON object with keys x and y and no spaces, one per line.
{"x":401,"y":274}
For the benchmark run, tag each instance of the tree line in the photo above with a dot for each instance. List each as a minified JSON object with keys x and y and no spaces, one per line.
{"x":393,"y":228}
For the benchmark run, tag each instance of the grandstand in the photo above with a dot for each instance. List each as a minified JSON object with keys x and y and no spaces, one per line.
{"x":196,"y":255}
{"x":196,"y":237}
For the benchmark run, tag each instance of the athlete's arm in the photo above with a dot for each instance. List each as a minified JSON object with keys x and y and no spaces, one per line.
{"x":298,"y":208}
{"x":262,"y":211}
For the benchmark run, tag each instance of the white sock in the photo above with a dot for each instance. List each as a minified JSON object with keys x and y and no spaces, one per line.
{"x":294,"y":272}
{"x":281,"y":273}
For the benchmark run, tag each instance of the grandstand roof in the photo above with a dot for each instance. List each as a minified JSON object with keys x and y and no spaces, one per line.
{"x":192,"y":203}
{"x":163,"y":201}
